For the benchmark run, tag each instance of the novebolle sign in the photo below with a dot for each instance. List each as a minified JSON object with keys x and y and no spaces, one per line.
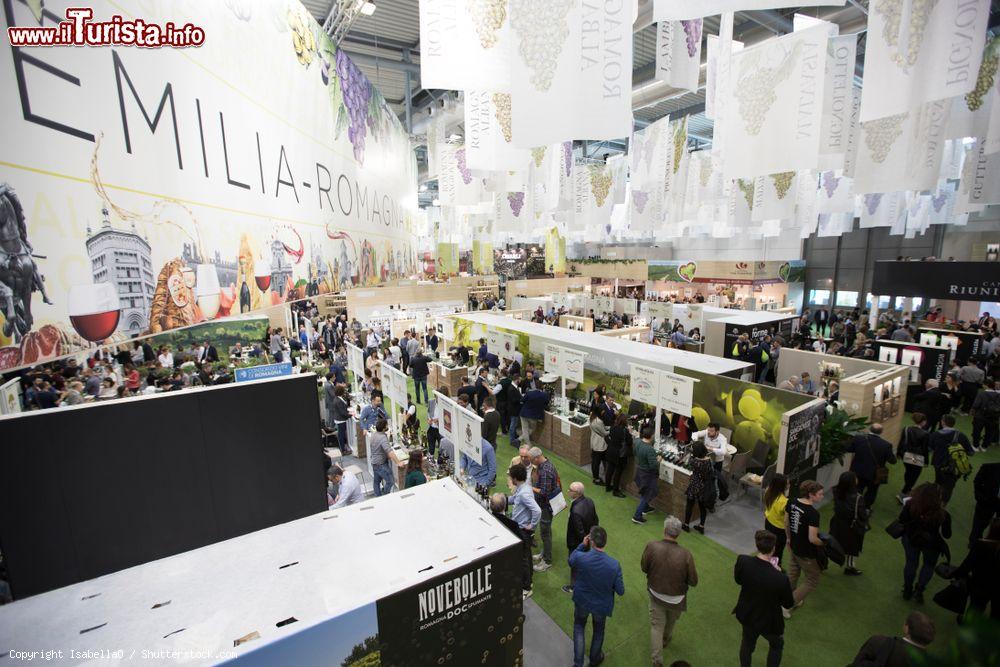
{"x":969,"y":281}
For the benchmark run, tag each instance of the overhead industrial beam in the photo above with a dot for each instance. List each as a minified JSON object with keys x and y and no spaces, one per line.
{"x":771,"y":19}
{"x":368,"y":39}
{"x":388,"y":63}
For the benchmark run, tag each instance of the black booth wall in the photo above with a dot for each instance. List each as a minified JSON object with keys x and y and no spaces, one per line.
{"x":88,"y":491}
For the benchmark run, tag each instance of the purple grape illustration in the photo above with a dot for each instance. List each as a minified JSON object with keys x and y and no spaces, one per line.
{"x":692,"y":31}
{"x":516,"y":201}
{"x":462,"y":168}
{"x":567,"y":157}
{"x":830,"y":183}
{"x":872,"y":201}
{"x":639,"y":199}
{"x":357,"y":91}
{"x":938,"y":201}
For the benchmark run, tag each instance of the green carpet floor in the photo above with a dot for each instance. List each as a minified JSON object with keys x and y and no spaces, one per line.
{"x":834,"y":622}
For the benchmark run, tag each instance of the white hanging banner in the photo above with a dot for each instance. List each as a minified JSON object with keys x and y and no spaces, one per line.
{"x":463,"y":44}
{"x":676,"y":393}
{"x":675,"y":10}
{"x":678,"y":53}
{"x":882,"y":209}
{"x":920,"y":51}
{"x":774,"y":197}
{"x":489,"y":141}
{"x":554,"y":359}
{"x":508,"y":345}
{"x":980,"y":183}
{"x":572,"y":364}
{"x":644,"y":384}
{"x":395,"y":384}
{"x":838,"y":117}
{"x":571,"y":73}
{"x":902,"y":152}
{"x":835,"y":194}
{"x":355,"y":360}
{"x":776,"y":90}
{"x":493,"y":341}
{"x":468,"y":437}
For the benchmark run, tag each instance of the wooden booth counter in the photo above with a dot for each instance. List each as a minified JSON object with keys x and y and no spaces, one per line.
{"x":567,"y":439}
{"x":442,"y":376}
{"x":672,"y":484}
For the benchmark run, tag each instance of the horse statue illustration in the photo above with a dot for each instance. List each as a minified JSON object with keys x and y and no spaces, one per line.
{"x":19,"y":276}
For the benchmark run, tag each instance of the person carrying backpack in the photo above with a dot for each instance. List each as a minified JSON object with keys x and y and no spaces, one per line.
{"x":986,"y":417}
{"x":950,"y":450}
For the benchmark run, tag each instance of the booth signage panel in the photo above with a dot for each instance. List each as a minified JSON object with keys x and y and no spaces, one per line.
{"x":263,"y":372}
{"x":676,"y":393}
{"x":644,"y":384}
{"x":960,"y":281}
{"x":572,"y":363}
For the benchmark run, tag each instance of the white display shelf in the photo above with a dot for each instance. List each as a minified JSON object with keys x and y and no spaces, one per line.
{"x":342,"y":559}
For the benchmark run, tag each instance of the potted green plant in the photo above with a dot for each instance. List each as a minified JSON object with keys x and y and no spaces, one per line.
{"x":835,"y":433}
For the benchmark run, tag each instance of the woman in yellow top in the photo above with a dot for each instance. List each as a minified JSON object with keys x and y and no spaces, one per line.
{"x":774,"y":511}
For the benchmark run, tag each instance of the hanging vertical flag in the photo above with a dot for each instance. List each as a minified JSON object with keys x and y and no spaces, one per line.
{"x":678,"y":53}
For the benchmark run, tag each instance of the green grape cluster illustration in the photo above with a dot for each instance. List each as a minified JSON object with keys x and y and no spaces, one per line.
{"x":746,"y":187}
{"x":488,"y":16}
{"x":600,"y":183}
{"x":783,"y":182}
{"x":987,"y":75}
{"x":501,"y":105}
{"x":746,"y":413}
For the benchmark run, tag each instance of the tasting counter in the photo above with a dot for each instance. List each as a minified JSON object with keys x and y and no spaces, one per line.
{"x":672,"y":483}
{"x":442,"y":376}
{"x":567,"y":439}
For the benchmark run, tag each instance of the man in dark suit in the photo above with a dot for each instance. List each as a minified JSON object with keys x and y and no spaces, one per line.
{"x":933,"y":403}
{"x":491,"y":421}
{"x":764,"y":591}
{"x":871,"y":452}
{"x":986,"y":487}
{"x":208,"y":353}
{"x":918,"y":633}
{"x":820,"y":318}
{"x":582,"y":517}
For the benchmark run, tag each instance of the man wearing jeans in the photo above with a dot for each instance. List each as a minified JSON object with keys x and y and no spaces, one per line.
{"x":420,"y":370}
{"x":670,"y":570}
{"x":526,"y":513}
{"x":547,"y":487}
{"x":380,"y":451}
{"x":514,"y":409}
{"x":802,"y":532}
{"x":598,"y":578}
{"x":647,"y":472}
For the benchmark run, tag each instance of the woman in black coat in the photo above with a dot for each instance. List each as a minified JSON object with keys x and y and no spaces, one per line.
{"x":701,"y":487}
{"x":850,"y":516}
{"x":926,"y":529}
{"x":616,"y":456}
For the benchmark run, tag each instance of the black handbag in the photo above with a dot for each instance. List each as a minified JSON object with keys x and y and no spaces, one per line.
{"x":895,"y":529}
{"x":954,"y":597}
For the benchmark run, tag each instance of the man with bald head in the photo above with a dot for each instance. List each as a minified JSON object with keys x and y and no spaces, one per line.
{"x":582,"y":517}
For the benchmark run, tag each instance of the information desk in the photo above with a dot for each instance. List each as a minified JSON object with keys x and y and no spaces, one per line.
{"x":276,"y":596}
{"x":442,"y":376}
{"x":567,"y":439}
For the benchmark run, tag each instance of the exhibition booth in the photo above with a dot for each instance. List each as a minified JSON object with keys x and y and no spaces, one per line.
{"x":722,"y":330}
{"x":748,"y":285}
{"x":873,"y":390}
{"x":275,"y":596}
{"x":963,"y":290}
{"x":779,"y":426}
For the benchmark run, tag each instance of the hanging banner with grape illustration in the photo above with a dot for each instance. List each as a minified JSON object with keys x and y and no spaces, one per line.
{"x":921,"y":51}
{"x":464,"y":43}
{"x":902,"y":152}
{"x":774,"y":197}
{"x":571,"y":73}
{"x":151,"y":189}
{"x":840,"y":112}
{"x":675,"y":10}
{"x":774,"y":105}
{"x":489,"y":142}
{"x":678,"y":53}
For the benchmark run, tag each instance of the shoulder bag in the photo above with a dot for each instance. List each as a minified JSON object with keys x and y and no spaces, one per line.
{"x":881,"y":472}
{"x":909,"y":457}
{"x":860,"y":521}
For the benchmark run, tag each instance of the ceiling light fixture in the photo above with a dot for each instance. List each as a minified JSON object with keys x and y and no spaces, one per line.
{"x":366,"y":7}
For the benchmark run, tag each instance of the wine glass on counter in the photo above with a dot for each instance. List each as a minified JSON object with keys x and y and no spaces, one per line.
{"x":94,"y":310}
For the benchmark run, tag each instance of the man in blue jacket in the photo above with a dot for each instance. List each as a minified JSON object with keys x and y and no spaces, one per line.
{"x":598,"y":578}
{"x":533,"y":406}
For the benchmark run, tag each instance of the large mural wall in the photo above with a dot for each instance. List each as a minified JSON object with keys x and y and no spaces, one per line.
{"x":142,"y":190}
